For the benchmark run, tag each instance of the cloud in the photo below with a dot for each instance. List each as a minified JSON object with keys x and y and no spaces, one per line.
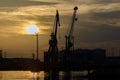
{"x":16,"y":24}
{"x":106,"y":15}
{"x":107,"y":1}
{"x":21,"y":3}
{"x":98,"y":27}
{"x":98,"y":1}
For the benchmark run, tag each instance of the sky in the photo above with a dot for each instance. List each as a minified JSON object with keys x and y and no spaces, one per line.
{"x":98,"y":24}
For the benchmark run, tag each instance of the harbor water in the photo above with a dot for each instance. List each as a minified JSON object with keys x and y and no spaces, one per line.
{"x":28,"y":75}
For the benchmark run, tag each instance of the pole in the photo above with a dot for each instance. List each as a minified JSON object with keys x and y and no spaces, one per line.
{"x":37,"y":46}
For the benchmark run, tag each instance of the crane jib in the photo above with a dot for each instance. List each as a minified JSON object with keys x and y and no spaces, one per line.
{"x":57,"y":18}
{"x":69,"y":36}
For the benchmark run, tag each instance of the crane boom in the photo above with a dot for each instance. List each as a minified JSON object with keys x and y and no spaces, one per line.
{"x":69,"y":36}
{"x":57,"y":22}
{"x":53,"y":41}
{"x":73,"y":22}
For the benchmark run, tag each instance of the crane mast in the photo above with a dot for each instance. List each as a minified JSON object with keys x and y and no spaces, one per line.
{"x":69,"y":36}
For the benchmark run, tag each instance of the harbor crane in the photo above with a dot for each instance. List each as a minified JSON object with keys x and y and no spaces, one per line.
{"x":69,"y":36}
{"x":69,"y":45}
{"x":53,"y":41}
{"x":53,"y":51}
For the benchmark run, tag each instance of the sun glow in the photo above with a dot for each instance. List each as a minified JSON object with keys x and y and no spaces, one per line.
{"x":36,"y":74}
{"x":32,"y":29}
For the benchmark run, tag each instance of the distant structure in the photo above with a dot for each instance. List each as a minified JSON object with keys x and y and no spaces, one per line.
{"x":84,"y":56}
{"x":113,"y":52}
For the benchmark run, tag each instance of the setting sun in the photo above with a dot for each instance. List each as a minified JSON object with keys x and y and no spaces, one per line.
{"x":32,"y":29}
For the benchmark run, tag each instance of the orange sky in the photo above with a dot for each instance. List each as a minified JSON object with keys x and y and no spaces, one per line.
{"x":98,"y":24}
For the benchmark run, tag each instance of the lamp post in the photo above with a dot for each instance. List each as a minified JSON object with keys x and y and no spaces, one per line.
{"x":37,"y":46}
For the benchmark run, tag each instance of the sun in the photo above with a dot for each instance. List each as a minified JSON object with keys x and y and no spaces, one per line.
{"x":32,"y":29}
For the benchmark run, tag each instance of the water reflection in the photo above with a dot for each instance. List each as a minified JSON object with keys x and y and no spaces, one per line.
{"x":69,"y":75}
{"x":36,"y":76}
{"x":21,"y":75}
{"x":28,"y":75}
{"x":1,"y":75}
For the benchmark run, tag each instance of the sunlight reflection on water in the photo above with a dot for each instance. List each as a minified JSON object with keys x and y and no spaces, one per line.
{"x":28,"y":75}
{"x":20,"y":75}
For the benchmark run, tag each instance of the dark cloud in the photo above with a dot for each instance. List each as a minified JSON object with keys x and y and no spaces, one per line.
{"x":106,"y":15}
{"x":19,"y":3}
{"x":89,"y":29}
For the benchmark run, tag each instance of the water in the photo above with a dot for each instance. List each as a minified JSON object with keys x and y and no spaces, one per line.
{"x":20,"y":75}
{"x":28,"y":75}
